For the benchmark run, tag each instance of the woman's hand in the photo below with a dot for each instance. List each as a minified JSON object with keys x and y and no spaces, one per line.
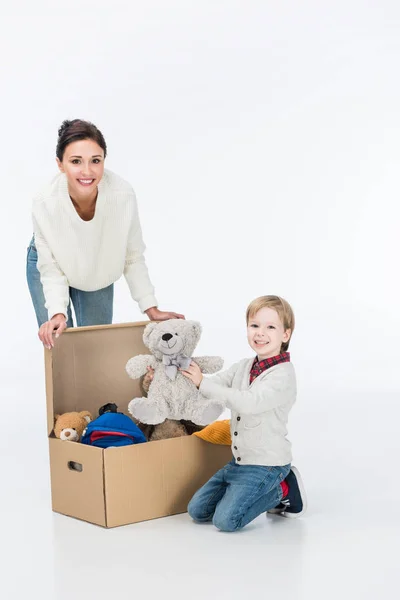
{"x":56,"y":325}
{"x":193,"y":373}
{"x":159,"y":315}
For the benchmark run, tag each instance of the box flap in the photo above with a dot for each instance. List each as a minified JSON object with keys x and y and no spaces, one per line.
{"x":86,"y":368}
{"x":48,"y":370}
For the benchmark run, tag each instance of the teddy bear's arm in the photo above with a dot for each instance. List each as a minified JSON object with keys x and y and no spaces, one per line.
{"x":137,"y":365}
{"x":209,"y":364}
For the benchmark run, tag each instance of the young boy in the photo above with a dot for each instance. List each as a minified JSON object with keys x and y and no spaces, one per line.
{"x":260,"y":393}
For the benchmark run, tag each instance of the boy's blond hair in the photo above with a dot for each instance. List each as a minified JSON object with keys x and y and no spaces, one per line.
{"x":283,"y":309}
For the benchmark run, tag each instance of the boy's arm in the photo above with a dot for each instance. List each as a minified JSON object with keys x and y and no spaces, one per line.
{"x":277,"y":389}
{"x":224,"y":379}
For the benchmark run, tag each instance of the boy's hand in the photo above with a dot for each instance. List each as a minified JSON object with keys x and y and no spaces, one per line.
{"x":193,"y":373}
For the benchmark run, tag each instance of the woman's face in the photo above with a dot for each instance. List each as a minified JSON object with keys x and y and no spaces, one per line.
{"x":83,"y":165}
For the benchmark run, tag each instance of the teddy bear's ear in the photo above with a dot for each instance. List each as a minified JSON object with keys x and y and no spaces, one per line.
{"x":56,"y":417}
{"x":148,"y":330}
{"x":86,"y":415}
{"x":196,"y":328}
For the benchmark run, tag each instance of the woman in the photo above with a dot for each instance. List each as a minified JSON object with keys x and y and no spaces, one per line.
{"x":86,"y":235}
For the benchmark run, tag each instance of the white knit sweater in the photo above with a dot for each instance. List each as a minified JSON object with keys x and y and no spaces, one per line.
{"x":259,"y":411}
{"x":90,"y":255}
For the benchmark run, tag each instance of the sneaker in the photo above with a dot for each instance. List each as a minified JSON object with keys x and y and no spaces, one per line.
{"x":295,"y":503}
{"x":277,"y":510}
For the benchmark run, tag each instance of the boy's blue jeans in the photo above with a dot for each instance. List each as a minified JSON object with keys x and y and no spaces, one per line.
{"x":91,"y":308}
{"x":237,"y":494}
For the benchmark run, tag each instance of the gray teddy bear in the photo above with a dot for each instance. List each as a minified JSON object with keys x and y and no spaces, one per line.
{"x":171,"y":395}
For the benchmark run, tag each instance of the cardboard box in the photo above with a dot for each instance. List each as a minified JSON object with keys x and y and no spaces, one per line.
{"x":115,"y":486}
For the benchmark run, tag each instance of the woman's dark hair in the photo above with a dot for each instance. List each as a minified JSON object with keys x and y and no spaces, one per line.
{"x":72,"y":131}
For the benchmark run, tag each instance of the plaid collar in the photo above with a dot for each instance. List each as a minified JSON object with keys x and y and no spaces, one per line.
{"x":259,"y":367}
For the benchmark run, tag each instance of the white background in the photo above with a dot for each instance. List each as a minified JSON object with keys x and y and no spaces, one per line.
{"x":262,"y":140}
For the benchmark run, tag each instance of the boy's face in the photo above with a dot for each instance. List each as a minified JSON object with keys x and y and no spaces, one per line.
{"x":266,"y":334}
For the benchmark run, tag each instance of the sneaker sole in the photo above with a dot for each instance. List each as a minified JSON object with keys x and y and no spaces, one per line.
{"x":289,"y":515}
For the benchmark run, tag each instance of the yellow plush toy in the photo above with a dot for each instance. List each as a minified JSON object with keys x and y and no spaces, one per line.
{"x":218,"y":432}
{"x":70,"y":426}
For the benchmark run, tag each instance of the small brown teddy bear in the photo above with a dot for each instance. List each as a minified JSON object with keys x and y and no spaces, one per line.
{"x":70,"y":426}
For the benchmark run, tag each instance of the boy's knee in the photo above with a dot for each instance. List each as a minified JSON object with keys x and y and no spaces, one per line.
{"x":197,"y":513}
{"x":226,"y":523}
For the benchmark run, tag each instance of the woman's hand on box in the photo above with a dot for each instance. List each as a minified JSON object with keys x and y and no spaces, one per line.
{"x":56,"y":326}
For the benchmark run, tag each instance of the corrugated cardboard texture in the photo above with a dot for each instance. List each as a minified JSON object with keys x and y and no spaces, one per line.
{"x":76,"y":493}
{"x":48,"y":369}
{"x":89,"y":367}
{"x":159,"y":478}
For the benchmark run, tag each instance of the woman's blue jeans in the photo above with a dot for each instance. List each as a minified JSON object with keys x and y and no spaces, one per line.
{"x":91,"y":308}
{"x":237,"y":494}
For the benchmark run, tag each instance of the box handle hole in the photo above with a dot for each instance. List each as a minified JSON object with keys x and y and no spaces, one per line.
{"x":75,"y":466}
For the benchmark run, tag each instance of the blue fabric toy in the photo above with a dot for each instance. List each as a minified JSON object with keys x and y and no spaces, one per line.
{"x":112,"y":429}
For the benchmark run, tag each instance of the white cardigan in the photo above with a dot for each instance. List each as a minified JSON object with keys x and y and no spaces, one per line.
{"x":259,"y":411}
{"x":89,"y":255}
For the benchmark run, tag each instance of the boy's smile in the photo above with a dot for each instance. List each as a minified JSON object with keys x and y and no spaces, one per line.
{"x":266,"y":334}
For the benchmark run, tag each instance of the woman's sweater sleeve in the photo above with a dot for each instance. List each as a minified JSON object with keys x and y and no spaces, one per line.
{"x":135,"y":271}
{"x":54,"y":282}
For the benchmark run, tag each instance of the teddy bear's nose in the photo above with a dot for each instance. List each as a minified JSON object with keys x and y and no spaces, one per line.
{"x":67,"y":433}
{"x":166,"y":337}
